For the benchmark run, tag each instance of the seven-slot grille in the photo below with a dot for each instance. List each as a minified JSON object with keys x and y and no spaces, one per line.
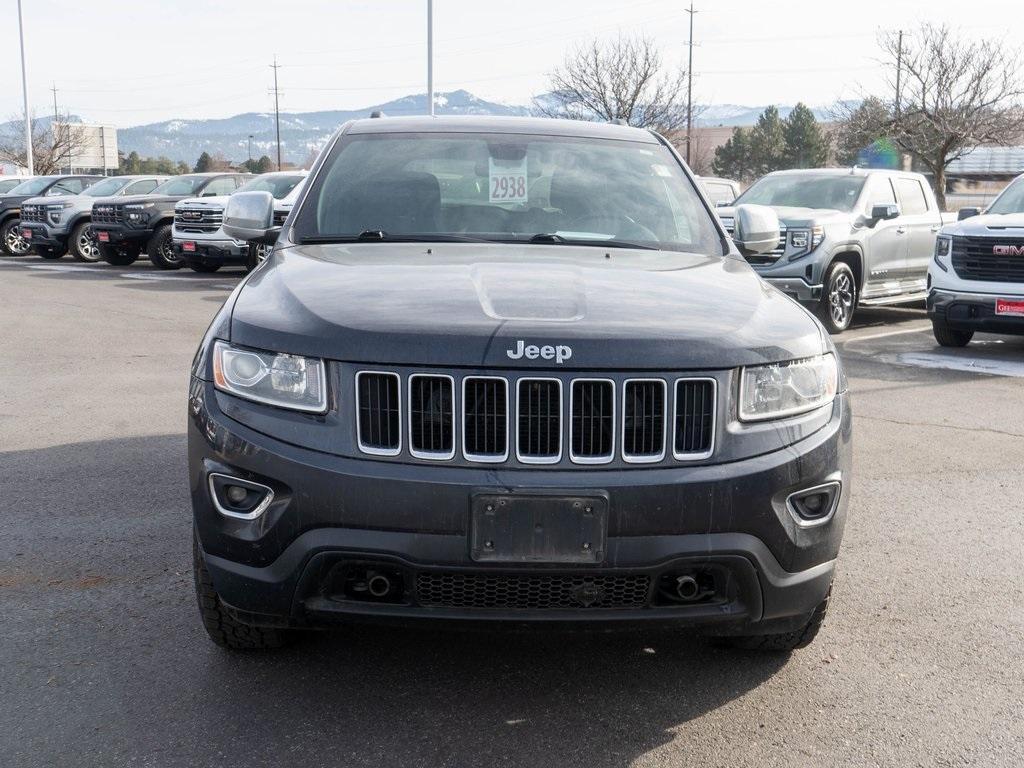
{"x":279,"y":218}
{"x":761,"y":259}
{"x":974,"y":258}
{"x":493,"y":418}
{"x":108,"y":213}
{"x":379,"y":418}
{"x":198,"y":219}
{"x":33,"y":213}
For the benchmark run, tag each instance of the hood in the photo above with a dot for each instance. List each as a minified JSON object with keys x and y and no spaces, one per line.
{"x":795,"y":217}
{"x":15,"y":201}
{"x":218,"y":201}
{"x":990,"y":225}
{"x":466,"y":304}
{"x":150,"y":198}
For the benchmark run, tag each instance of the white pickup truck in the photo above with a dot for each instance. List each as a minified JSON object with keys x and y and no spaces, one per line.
{"x":849,"y":238}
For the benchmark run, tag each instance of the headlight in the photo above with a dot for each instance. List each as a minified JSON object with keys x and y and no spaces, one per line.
{"x":786,"y":389}
{"x":943,"y":250}
{"x":806,"y":240}
{"x":287,"y":381}
{"x":56,"y":211}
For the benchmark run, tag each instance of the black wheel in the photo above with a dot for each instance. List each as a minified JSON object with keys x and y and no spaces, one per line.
{"x":838,"y":298}
{"x":161,"y":249}
{"x":83,"y":244}
{"x":119,"y":255}
{"x":11,"y":240}
{"x":224,"y":629}
{"x":783,"y":641}
{"x":200,"y":266}
{"x":950,"y":337}
{"x":256,"y":255}
{"x":49,"y":252}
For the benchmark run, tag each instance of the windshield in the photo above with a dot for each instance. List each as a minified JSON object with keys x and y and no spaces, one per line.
{"x":1010,"y":200}
{"x":278,"y":186}
{"x":805,"y":191}
{"x":8,"y":184}
{"x":182,"y":185}
{"x":507,"y":188}
{"x":33,"y":186}
{"x":106,"y":187}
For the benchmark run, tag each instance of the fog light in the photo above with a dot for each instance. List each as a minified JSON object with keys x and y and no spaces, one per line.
{"x":236,"y":494}
{"x":239,"y":498}
{"x":814,"y":506}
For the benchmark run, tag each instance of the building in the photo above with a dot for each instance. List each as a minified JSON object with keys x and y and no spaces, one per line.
{"x":95,"y":147}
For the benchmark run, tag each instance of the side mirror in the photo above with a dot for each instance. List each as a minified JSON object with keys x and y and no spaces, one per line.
{"x":756,"y":228}
{"x":883,"y":212}
{"x":250,"y":216}
{"x":966,"y":213}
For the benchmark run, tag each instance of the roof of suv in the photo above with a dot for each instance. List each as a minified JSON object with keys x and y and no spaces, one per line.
{"x":847,"y":171}
{"x":542,"y":126}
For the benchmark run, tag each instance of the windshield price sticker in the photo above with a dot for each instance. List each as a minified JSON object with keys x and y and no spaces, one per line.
{"x":508,"y":182}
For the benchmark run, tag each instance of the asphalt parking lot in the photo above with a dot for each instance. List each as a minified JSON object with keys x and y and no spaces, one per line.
{"x":104,"y":661}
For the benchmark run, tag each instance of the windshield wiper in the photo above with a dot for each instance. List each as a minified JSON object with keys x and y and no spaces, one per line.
{"x":547,"y":237}
{"x":554,"y":238}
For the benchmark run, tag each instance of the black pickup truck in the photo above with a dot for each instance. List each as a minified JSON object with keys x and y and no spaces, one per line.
{"x":132,"y":224}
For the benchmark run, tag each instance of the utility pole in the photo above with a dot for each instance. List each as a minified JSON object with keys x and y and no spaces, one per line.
{"x":430,"y":56}
{"x":250,"y":151}
{"x":53,"y":127}
{"x":277,"y":111}
{"x":899,"y":71}
{"x":24,"y":92}
{"x":689,"y":85}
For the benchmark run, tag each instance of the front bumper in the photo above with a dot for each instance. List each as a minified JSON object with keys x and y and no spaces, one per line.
{"x":120,"y":234}
{"x":332,"y":514}
{"x":797,"y":288}
{"x":45,"y":235}
{"x":964,"y":311}
{"x":211,"y":251}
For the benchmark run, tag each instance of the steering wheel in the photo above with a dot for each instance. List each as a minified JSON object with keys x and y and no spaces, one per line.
{"x":625,"y":227}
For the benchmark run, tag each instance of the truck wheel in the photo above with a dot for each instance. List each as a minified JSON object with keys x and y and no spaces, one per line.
{"x":838,"y":298}
{"x":784,"y":641}
{"x":49,"y":252}
{"x":950,"y":337}
{"x":256,"y":255}
{"x":201,"y":266}
{"x":160,"y":249}
{"x":119,"y":256}
{"x":223,"y":628}
{"x":84,"y":246}
{"x":12,"y":241}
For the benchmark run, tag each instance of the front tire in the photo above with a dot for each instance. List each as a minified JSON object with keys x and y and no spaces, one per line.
{"x":12,"y":241}
{"x":257,"y":253}
{"x":160,"y":249}
{"x":84,"y":246}
{"x":223,"y":628}
{"x":119,"y":256}
{"x":950,"y":337}
{"x":784,"y":641}
{"x":838,"y":298}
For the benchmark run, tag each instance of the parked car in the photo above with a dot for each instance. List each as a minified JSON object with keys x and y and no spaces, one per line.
{"x":52,"y":227}
{"x":198,"y":237}
{"x":131,"y":225}
{"x":452,"y":395}
{"x":720,"y":192}
{"x":41,"y":186}
{"x":8,"y":182}
{"x":976,"y":280}
{"x":849,"y":238}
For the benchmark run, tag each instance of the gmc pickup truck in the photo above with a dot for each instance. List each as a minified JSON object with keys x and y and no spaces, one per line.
{"x":976,"y":280}
{"x":11,"y":236}
{"x":848,"y":238}
{"x":126,"y":227}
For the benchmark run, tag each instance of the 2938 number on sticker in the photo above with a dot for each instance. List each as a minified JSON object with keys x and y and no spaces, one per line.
{"x":508,"y":183}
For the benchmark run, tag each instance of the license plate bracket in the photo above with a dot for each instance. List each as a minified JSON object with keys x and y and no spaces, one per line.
{"x":188,"y":246}
{"x":1010,"y":307}
{"x":26,"y":234}
{"x":103,"y":237}
{"x":538,"y":528}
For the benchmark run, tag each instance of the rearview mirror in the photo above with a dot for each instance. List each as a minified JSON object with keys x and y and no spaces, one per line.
{"x":966,"y":213}
{"x":756,"y":229}
{"x":883,"y":212}
{"x":250,"y":216}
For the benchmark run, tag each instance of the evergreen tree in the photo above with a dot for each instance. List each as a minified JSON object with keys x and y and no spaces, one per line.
{"x":204,"y":163}
{"x":732,"y":159}
{"x":767,"y":143}
{"x":805,"y":144}
{"x":264,"y":165}
{"x":182,"y":167}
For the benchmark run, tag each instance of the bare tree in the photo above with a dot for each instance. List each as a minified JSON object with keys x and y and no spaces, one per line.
{"x":55,"y":143}
{"x":621,"y":79}
{"x":956,"y":95}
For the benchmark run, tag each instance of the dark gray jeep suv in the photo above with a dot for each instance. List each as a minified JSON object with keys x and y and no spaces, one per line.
{"x":512,"y":371}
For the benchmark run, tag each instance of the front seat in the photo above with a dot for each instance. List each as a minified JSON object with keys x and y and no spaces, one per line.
{"x":398,"y":204}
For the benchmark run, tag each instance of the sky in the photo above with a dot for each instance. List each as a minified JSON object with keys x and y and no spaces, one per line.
{"x":131,"y":63}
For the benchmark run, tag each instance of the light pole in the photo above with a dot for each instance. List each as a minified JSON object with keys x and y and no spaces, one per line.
{"x":430,"y":55}
{"x":250,"y":151}
{"x":689,"y":86}
{"x":24,"y":92}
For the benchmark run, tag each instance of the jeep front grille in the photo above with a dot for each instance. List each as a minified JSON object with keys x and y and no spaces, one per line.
{"x":379,"y":413}
{"x":593,"y":421}
{"x":539,"y":420}
{"x":531,"y":591}
{"x":204,"y":219}
{"x":974,"y":258}
{"x":108,"y":213}
{"x":531,"y":420}
{"x":485,"y":418}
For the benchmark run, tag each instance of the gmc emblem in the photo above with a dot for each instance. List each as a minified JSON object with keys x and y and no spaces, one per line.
{"x":1008,"y":250}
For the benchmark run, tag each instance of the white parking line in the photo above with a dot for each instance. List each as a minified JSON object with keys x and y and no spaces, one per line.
{"x":61,"y":267}
{"x":956,"y":363}
{"x":887,"y":334}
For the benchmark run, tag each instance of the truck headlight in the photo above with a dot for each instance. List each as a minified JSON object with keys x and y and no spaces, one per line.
{"x":943,"y":251}
{"x":806,"y":240}
{"x":135,"y":213}
{"x":287,"y":381}
{"x":56,"y":211}
{"x":786,"y":389}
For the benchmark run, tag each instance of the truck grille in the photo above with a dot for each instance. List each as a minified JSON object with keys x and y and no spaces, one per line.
{"x":205,"y":219}
{"x":976,"y":258}
{"x":108,"y":213}
{"x":279,"y":218}
{"x":761,"y":259}
{"x":523,"y":418}
{"x":531,"y":592}
{"x":379,"y":413}
{"x":33,"y":213}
